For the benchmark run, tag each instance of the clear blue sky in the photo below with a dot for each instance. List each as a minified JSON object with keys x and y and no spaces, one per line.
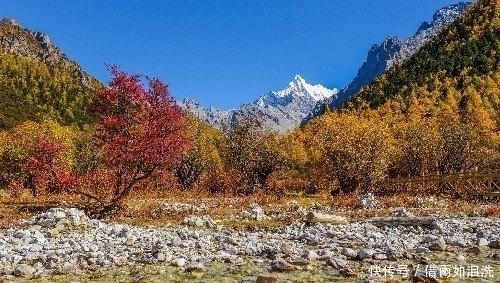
{"x":223,"y":52}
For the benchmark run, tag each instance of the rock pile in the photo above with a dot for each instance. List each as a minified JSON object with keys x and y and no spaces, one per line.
{"x":368,"y":201}
{"x":195,"y":221}
{"x":401,"y":212}
{"x":173,"y":208}
{"x":256,"y":213}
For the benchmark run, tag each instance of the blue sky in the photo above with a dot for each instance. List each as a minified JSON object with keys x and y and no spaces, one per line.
{"x":223,"y":52}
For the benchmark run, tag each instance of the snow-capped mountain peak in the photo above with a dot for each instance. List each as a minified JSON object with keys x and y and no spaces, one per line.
{"x":297,"y":88}
{"x":300,"y":87}
{"x":280,"y":110}
{"x":298,"y":84}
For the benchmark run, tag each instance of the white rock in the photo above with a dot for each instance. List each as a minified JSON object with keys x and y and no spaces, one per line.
{"x":23,"y":270}
{"x":179,"y":262}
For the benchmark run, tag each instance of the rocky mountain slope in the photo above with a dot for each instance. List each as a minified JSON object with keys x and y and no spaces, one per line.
{"x":281,"y":111}
{"x":35,"y":45}
{"x":393,"y":51}
{"x":38,"y":81}
{"x":458,"y":70}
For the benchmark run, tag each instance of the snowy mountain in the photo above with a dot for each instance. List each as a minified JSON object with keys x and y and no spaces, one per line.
{"x":392,"y":51}
{"x":281,"y":110}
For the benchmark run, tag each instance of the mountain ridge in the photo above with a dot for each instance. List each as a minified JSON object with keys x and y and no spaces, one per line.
{"x":278,"y":110}
{"x":391,"y":52}
{"x":40,"y":81}
{"x":457,"y":69}
{"x":36,"y":45}
{"x":273,"y":106}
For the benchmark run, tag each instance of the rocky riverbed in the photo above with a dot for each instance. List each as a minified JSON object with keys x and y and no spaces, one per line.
{"x":64,"y":244}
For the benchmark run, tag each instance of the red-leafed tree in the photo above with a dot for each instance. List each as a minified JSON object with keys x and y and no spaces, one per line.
{"x":140,"y":131}
{"x":46,"y":173}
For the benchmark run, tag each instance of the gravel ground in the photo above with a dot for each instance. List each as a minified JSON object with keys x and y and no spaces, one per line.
{"x":64,"y":243}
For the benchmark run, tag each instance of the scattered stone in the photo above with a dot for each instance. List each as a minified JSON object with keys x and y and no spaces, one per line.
{"x":21,"y":234}
{"x":401,"y":212}
{"x":428,"y":222}
{"x":55,"y":231}
{"x":439,"y":245}
{"x":366,"y":254}
{"x":172,"y":208}
{"x":286,"y":249}
{"x":494,"y":244}
{"x":24,"y":270}
{"x":482,"y":242}
{"x":176,"y":241}
{"x":161,"y":257}
{"x":369,"y":227}
{"x":422,"y":250}
{"x":7,"y":270}
{"x":93,"y":248}
{"x":349,"y":253}
{"x":379,"y":256}
{"x":67,"y":268}
{"x":316,"y":217}
{"x":256,"y":213}
{"x":473,"y":250}
{"x":337,"y":262}
{"x":267,"y":278}
{"x":196,"y":266}
{"x":196,"y":221}
{"x":179,"y":262}
{"x":393,"y":254}
{"x":368,"y":201}
{"x":36,"y":248}
{"x":310,"y":255}
{"x":281,"y":265}
{"x":100,"y":244}
{"x":47,"y":223}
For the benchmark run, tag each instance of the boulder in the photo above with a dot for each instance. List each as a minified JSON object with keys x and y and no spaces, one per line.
{"x":179,"y":262}
{"x":286,"y":249}
{"x":349,"y":253}
{"x":267,"y":278}
{"x":337,"y":262}
{"x":55,"y":231}
{"x":281,"y":265}
{"x":439,"y":245}
{"x":366,"y":253}
{"x":310,"y":255}
{"x":494,"y":244}
{"x":24,"y":270}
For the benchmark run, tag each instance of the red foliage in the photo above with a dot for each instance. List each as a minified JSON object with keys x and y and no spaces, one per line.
{"x":47,"y":173}
{"x":15,"y":188}
{"x":140,"y":130}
